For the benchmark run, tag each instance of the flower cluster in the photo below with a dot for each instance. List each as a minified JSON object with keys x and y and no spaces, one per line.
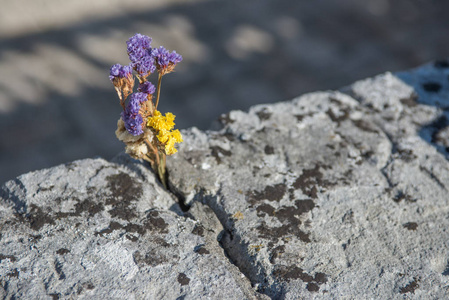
{"x":147,"y":134}
{"x":131,"y":115}
{"x":123,"y":80}
{"x":166,"y":135}
{"x":165,"y":61}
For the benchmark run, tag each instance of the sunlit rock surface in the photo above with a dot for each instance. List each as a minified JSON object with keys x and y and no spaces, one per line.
{"x":340,"y":194}
{"x":332,"y":194}
{"x":96,"y":229}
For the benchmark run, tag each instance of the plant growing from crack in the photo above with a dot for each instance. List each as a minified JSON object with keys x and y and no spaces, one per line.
{"x":146,"y":133}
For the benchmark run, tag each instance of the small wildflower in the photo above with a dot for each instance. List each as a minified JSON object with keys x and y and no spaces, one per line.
{"x":139,"y":52}
{"x":165,"y":61}
{"x":133,"y":122}
{"x":119,"y":71}
{"x":138,"y":46}
{"x":163,"y":126}
{"x":145,"y":65}
{"x":176,"y":135}
{"x":161,"y":123}
{"x":139,"y":97}
{"x":146,"y":87}
{"x":123,"y":81}
{"x":170,"y":138}
{"x":132,"y":116}
{"x":114,"y":71}
{"x":146,"y":132}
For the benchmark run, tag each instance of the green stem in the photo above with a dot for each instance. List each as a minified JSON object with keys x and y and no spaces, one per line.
{"x":161,"y":170}
{"x":158,"y":90}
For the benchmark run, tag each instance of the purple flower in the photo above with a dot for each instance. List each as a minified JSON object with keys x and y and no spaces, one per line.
{"x":165,"y":60}
{"x":114,"y":71}
{"x":146,"y":87}
{"x":139,"y":98}
{"x":125,"y":71}
{"x":133,"y":123}
{"x":144,"y":64}
{"x":119,"y":71}
{"x":137,"y":46}
{"x":174,"y":57}
{"x":135,"y":100}
{"x":161,"y":56}
{"x":139,"y":52}
{"x":131,"y":116}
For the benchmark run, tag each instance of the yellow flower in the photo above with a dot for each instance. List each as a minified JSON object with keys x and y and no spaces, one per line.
{"x":170,"y":146}
{"x":163,"y":136}
{"x":169,"y":139}
{"x":169,"y":118}
{"x":159,"y":122}
{"x":176,"y":134}
{"x":163,"y":125}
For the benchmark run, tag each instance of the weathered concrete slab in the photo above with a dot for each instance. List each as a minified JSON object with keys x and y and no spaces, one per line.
{"x":96,"y":229}
{"x":328,"y":197}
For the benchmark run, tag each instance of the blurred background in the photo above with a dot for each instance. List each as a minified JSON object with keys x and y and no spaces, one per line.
{"x":57,"y":104}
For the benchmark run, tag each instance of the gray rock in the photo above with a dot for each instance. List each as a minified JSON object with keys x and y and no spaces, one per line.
{"x":332,"y":194}
{"x":96,"y":229}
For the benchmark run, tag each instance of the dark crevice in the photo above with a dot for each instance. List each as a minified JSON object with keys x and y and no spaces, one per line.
{"x":228,"y":233}
{"x":221,"y":237}
{"x":384,"y":173}
{"x":433,"y":177}
{"x":181,"y":202}
{"x":226,"y":239}
{"x":181,"y":199}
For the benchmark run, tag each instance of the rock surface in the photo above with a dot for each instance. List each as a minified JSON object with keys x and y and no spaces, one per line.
{"x":96,"y":229}
{"x":333,"y":194}
{"x":339,"y":194}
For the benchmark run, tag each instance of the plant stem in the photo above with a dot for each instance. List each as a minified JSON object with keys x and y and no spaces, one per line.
{"x":162,"y":171}
{"x":158,"y":90}
{"x":155,"y":152}
{"x":149,"y":159}
{"x":158,"y":164}
{"x":120,"y":96}
{"x":141,"y":79}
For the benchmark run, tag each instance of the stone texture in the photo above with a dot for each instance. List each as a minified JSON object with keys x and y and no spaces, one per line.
{"x":340,"y":194}
{"x":96,"y":229}
{"x":333,"y":194}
